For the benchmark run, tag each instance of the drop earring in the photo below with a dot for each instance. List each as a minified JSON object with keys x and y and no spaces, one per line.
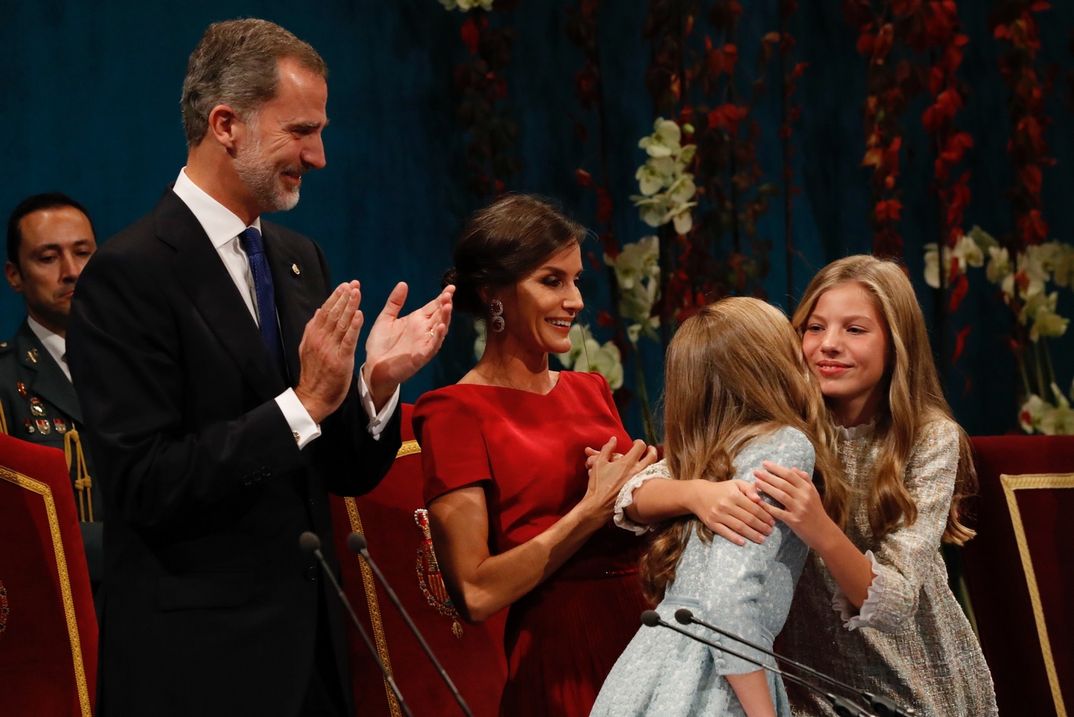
{"x":496,"y":322}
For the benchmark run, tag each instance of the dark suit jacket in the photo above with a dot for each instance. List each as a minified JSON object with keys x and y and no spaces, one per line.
{"x":43,"y":412}
{"x":210,"y":607}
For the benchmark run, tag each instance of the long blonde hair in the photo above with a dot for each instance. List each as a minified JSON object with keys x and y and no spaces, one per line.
{"x":734,"y":371}
{"x":913,"y":398}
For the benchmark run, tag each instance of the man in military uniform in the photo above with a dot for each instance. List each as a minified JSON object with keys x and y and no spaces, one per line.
{"x":49,"y":240}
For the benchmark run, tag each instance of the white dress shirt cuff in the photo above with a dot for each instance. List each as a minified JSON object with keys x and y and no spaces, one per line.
{"x":378,"y":421}
{"x":303,"y":427}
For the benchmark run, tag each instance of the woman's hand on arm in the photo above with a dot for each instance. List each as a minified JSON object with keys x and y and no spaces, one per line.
{"x":482,"y":583}
{"x":731,"y":509}
{"x":803,"y":512}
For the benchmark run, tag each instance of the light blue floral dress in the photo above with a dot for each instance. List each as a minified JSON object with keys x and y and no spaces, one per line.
{"x":745,"y":589}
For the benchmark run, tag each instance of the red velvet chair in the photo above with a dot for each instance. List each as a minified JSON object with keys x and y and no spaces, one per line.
{"x":473,"y":655}
{"x":48,"y":629}
{"x":1019,"y":570}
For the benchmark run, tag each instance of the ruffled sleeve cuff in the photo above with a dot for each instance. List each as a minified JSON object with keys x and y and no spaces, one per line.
{"x":871,"y":608}
{"x":626,"y":498}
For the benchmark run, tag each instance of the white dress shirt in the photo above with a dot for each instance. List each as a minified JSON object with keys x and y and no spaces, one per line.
{"x":55,"y":344}
{"x":223,"y":228}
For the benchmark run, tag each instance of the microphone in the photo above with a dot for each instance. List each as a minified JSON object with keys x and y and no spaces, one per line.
{"x":356,"y":543}
{"x":842,"y":706}
{"x":310,"y":543}
{"x":882,"y":706}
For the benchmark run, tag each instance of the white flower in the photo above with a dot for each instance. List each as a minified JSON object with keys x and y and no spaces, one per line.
{"x":587,"y":354}
{"x":1040,"y":309}
{"x":650,"y":181}
{"x":1064,"y":266}
{"x":932,"y":265}
{"x":682,"y":218}
{"x":1057,"y":421}
{"x":999,"y":265}
{"x":1031,"y":412}
{"x":666,"y":187}
{"x":637,"y":272}
{"x":968,"y":253}
{"x":1031,"y":273}
{"x":466,"y":5}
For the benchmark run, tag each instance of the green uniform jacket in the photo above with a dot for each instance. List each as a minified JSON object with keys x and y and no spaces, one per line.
{"x":40,"y":406}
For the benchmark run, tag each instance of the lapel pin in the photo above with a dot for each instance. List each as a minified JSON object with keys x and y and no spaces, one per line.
{"x":43,"y":427}
{"x":31,"y":356}
{"x":29,"y":425}
{"x":21,"y":388}
{"x":295,"y":270}
{"x":36,"y":407}
{"x":59,"y":424}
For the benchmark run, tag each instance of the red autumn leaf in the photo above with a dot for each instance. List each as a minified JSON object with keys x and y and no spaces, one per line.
{"x":1032,"y":227}
{"x":1030,"y":178}
{"x":799,"y":70}
{"x":726,"y":117}
{"x":958,"y":292}
{"x":605,"y":319}
{"x":887,"y":210}
{"x":470,"y":35}
{"x":611,"y":246}
{"x":872,"y":157}
{"x":604,"y":206}
{"x":730,"y":58}
{"x":960,"y":343}
{"x":583,"y":178}
{"x":884,"y":40}
{"x":866,"y":41}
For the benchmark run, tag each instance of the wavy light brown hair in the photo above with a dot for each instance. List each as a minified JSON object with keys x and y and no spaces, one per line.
{"x":734,"y":371}
{"x":913,"y":398}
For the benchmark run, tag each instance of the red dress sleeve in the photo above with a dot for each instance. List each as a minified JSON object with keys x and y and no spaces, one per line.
{"x":453,"y":451}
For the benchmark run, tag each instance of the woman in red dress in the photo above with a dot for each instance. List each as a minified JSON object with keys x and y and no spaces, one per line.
{"x":516,"y":518}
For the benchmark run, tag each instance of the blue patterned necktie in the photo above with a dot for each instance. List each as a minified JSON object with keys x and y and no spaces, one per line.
{"x":254,"y":247}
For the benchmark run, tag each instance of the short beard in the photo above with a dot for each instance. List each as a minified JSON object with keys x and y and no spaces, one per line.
{"x":261,"y":178}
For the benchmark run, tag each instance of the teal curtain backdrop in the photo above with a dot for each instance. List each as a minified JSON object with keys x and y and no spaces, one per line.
{"x":89,"y":106}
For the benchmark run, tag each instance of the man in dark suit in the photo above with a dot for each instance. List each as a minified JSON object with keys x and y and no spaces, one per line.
{"x":49,"y":240}
{"x":220,"y":412}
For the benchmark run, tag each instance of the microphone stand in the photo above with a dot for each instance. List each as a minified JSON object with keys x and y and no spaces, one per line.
{"x":356,"y":543}
{"x":310,"y":543}
{"x":842,"y":706}
{"x":882,"y":706}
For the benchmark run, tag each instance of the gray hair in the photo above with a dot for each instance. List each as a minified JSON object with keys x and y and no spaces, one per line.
{"x":235,"y":63}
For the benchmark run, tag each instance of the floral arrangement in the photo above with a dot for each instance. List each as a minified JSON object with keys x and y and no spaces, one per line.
{"x":637,"y":273}
{"x":1024,"y":285}
{"x":588,"y":354}
{"x":666,"y":185}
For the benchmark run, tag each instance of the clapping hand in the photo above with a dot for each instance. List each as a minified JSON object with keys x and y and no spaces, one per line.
{"x":326,"y":352}
{"x":397,"y":347}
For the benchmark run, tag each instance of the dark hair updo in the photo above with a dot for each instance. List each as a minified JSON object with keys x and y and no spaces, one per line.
{"x":503,"y":243}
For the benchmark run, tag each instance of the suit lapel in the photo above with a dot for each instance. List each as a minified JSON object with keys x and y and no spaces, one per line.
{"x":214,"y":294}
{"x":47,"y":378}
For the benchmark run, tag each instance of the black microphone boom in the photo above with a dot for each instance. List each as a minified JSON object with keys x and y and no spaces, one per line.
{"x":356,"y":543}
{"x":842,"y":706}
{"x":882,"y":706}
{"x":310,"y":543}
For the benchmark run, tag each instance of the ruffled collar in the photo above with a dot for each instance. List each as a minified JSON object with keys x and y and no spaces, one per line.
{"x":862,"y":430}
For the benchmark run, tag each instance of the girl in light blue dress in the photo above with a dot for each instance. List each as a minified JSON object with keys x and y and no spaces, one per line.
{"x":737,"y":393}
